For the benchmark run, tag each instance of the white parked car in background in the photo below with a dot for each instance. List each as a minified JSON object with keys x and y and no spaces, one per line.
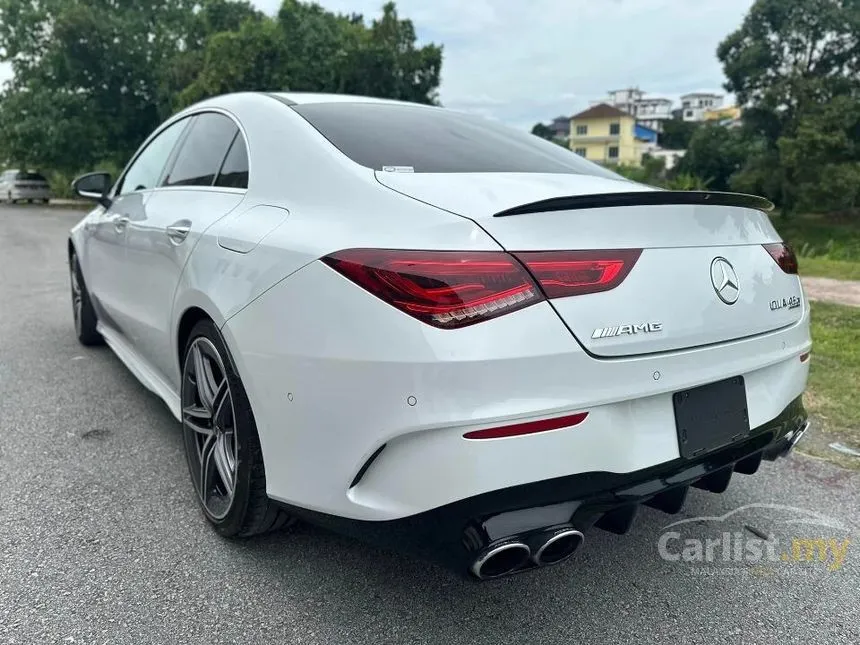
{"x":19,"y":185}
{"x":430,"y":331}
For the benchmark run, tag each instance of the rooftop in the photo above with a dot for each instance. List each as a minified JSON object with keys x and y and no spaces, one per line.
{"x":601,"y":111}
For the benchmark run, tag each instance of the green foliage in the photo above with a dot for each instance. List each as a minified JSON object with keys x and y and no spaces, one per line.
{"x":823,"y":157}
{"x":543,"y":131}
{"x":652,"y":171}
{"x":92,"y":78}
{"x":794,"y":63}
{"x":715,"y":153}
{"x":822,"y":236}
{"x":687,"y":181}
{"x":676,"y":134}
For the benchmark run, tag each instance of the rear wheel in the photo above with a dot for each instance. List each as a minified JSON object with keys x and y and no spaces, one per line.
{"x":82,"y":307}
{"x":222,"y":447}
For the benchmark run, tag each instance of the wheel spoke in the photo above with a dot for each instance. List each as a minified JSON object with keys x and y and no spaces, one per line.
{"x":206,"y":466}
{"x":202,"y":377}
{"x":221,"y":400}
{"x":222,"y":464}
{"x":192,"y":424}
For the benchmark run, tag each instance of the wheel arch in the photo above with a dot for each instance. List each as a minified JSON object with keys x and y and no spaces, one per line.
{"x":190,"y":317}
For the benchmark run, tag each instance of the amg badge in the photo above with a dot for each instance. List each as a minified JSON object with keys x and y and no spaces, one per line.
{"x":621,"y":330}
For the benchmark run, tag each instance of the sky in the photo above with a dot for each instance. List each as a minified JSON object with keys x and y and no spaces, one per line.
{"x":524,"y":61}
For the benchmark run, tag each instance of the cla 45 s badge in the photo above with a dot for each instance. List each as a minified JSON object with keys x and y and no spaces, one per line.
{"x":792,"y":302}
{"x":621,"y":330}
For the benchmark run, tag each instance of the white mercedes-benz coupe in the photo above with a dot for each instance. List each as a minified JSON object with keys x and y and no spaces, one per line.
{"x":429,"y":331}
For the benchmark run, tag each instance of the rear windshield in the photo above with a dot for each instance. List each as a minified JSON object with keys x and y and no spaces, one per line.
{"x":29,"y":176}
{"x":417,"y":139}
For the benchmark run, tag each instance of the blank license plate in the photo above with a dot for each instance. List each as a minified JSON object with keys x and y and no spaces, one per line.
{"x":711,"y":416}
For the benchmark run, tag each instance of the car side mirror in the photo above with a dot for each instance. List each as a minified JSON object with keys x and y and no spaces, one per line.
{"x":95,"y":186}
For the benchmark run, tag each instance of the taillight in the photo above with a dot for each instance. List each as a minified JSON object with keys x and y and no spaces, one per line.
{"x":783,"y":255}
{"x":446,"y":289}
{"x":574,"y":273}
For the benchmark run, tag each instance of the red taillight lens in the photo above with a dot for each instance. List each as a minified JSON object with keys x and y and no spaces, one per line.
{"x":445,"y":289}
{"x":783,"y":255}
{"x":530,"y":427}
{"x":574,"y":273}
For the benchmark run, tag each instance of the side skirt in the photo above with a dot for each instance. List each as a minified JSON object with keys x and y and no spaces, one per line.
{"x":142,"y":370}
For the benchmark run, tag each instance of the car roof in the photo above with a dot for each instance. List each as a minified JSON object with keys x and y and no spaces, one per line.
{"x":307,"y":98}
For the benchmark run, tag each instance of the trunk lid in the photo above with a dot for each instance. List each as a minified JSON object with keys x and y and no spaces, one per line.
{"x":681,"y":291}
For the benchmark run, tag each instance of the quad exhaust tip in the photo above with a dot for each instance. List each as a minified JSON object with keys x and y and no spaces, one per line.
{"x":559,"y":546}
{"x":500,"y":560}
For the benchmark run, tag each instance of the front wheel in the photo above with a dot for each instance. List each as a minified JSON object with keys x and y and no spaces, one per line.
{"x":82,"y":307}
{"x":222,"y":447}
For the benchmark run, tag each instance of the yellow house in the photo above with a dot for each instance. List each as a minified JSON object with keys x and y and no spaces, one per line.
{"x":729,"y":113}
{"x":605,"y":134}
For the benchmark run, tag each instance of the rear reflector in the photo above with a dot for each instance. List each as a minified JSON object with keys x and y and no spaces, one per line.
{"x":530,"y":427}
{"x":446,"y":289}
{"x":783,"y":255}
{"x":574,"y":273}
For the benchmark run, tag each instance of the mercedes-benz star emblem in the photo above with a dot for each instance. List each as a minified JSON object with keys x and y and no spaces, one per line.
{"x":725,"y":280}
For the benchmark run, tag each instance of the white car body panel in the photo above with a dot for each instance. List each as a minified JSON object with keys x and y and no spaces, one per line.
{"x":329,"y":369}
{"x":351,"y":362}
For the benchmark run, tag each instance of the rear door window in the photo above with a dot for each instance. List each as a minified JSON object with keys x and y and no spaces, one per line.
{"x":146,"y":170}
{"x":234,"y":172}
{"x":203,"y":151}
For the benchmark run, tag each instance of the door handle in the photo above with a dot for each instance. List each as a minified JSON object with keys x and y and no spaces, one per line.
{"x":179,"y":231}
{"x":120,"y":223}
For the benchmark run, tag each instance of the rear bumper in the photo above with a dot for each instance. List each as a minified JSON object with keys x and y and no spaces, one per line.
{"x":454,"y":534}
{"x":329,"y":389}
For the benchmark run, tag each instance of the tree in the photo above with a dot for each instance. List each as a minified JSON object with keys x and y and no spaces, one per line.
{"x":98,"y":60}
{"x":92,"y":78}
{"x":676,"y":134}
{"x":790,"y":55}
{"x":715,"y":154}
{"x":823,"y":157}
{"x":543,"y":131}
{"x":252,"y":59}
{"x":788,"y":59}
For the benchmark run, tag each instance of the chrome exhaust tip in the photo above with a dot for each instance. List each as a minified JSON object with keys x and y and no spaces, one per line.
{"x":794,"y":438}
{"x":500,"y":559}
{"x":559,"y":546}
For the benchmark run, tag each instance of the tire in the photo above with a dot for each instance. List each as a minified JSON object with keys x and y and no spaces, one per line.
{"x":82,"y":306}
{"x":225,"y":460}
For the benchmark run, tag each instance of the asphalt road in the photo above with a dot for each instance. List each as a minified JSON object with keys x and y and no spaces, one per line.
{"x":101,"y":540}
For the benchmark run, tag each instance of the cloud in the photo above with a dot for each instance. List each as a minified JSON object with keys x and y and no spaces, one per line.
{"x":530,"y":61}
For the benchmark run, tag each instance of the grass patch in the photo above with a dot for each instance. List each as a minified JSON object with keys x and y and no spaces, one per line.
{"x":833,"y":396}
{"x":827,"y":247}
{"x":819,"y":236}
{"x":827,"y":268}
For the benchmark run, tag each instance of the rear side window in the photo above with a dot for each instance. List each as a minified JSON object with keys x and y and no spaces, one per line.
{"x":202,"y":151}
{"x":234,"y":172}
{"x":418,"y":139}
{"x":30,"y":176}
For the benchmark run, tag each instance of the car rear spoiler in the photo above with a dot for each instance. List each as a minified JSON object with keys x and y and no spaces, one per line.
{"x":643,"y":198}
